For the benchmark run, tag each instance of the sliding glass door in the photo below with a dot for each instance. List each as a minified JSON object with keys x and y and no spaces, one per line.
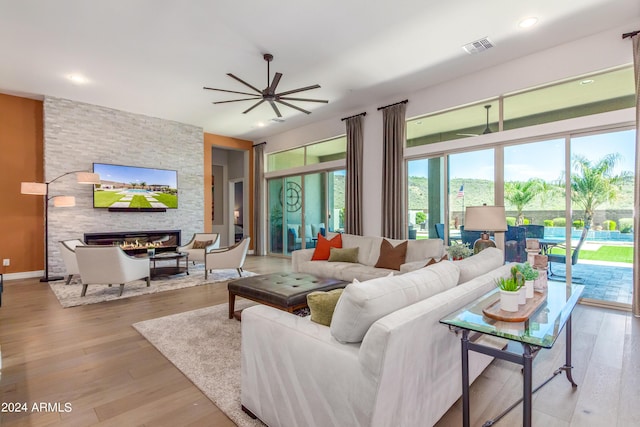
{"x":303,"y":206}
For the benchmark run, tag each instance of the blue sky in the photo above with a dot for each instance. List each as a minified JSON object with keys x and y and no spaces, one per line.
{"x":540,"y":159}
{"x":130,"y":174}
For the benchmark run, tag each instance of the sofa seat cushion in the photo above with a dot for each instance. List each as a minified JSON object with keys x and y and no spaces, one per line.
{"x":345,"y":271}
{"x":479,"y":264}
{"x":361,"y":304}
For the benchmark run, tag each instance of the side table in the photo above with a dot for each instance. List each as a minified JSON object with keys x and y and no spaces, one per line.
{"x":539,"y":331}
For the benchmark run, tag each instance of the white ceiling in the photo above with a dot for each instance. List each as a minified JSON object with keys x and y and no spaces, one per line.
{"x":153,"y":57}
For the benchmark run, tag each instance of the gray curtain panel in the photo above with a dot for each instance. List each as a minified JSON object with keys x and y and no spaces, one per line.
{"x":394,"y":224}
{"x":636,"y":218}
{"x":353,"y":193}
{"x":258,"y":183}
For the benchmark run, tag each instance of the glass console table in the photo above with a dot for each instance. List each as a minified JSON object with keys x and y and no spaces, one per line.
{"x":539,"y":331}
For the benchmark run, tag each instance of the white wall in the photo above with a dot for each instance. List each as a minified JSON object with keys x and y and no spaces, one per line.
{"x":597,"y":52}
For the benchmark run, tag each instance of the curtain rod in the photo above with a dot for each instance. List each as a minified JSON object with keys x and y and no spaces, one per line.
{"x":259,"y":144}
{"x":631,"y":34}
{"x":355,"y":115}
{"x":391,"y":105}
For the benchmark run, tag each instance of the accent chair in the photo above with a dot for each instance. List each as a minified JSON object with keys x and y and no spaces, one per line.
{"x":68,"y":252}
{"x":199,"y":245}
{"x":225,"y":258}
{"x":108,"y":265}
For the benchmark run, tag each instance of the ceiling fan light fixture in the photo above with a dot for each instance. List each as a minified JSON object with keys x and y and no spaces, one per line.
{"x":269,"y":93}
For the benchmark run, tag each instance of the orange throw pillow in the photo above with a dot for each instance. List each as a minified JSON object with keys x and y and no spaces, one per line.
{"x":323,"y":247}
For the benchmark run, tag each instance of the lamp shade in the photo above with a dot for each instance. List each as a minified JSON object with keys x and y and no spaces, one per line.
{"x":37,"y":188}
{"x":485,"y":218}
{"x":64,"y":201}
{"x":87,"y":178}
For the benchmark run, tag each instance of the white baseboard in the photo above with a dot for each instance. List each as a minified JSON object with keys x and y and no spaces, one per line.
{"x":23,"y":275}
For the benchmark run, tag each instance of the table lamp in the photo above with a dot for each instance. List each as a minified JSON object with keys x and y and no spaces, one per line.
{"x":486,"y":219}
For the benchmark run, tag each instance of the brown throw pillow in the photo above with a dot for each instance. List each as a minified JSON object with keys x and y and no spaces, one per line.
{"x":392,"y":257}
{"x":201,"y":244}
{"x":434,"y":261}
{"x":322,"y":304}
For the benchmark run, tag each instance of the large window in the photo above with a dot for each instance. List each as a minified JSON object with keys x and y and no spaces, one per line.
{"x":319,"y":152}
{"x":597,"y":93}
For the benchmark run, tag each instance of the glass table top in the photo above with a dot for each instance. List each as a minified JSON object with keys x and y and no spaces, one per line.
{"x":540,"y":329}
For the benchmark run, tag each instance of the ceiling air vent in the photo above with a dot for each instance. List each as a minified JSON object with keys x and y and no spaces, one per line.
{"x":478,"y":46}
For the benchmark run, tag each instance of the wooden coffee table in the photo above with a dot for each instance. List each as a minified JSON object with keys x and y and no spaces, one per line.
{"x":285,"y":291}
{"x":169,"y":270}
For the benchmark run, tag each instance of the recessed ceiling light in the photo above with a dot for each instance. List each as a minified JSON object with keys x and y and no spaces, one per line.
{"x":587,"y":82}
{"x":77,"y":78}
{"x":528,"y":22}
{"x":261,"y":124}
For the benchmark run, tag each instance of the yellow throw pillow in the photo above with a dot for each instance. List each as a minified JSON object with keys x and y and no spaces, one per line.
{"x":322,"y":305}
{"x":201,"y":244}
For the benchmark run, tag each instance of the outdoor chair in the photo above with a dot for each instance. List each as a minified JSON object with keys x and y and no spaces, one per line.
{"x":534,"y":231}
{"x":225,"y":258}
{"x":439,"y":230}
{"x":469,"y":237}
{"x":68,"y":253}
{"x":515,"y":244}
{"x":562,"y":258}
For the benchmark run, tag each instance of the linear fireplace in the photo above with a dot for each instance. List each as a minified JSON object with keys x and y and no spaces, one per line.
{"x":137,"y":241}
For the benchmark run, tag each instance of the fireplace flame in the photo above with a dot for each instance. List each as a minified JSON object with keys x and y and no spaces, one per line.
{"x":138,"y":245}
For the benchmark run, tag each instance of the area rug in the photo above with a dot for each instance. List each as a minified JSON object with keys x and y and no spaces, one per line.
{"x":69,"y":295}
{"x":205,"y":345}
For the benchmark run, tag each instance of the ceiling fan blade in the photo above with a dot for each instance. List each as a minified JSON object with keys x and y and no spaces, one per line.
{"x":275,"y":108}
{"x":294,"y":107}
{"x":276,"y":79}
{"x":302,"y":89}
{"x":230,"y":91}
{"x":253,"y":106}
{"x":236,"y":100}
{"x":304,"y":99}
{"x":244,"y":83}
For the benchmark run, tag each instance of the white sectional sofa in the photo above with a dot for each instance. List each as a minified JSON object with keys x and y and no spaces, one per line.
{"x":404,"y":371}
{"x":418,"y":253}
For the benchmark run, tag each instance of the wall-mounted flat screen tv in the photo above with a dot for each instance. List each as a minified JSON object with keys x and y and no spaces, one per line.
{"x":136,"y":188}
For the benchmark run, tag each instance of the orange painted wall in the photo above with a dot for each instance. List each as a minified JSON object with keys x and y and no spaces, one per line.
{"x":21,"y":159}
{"x":211,"y":141}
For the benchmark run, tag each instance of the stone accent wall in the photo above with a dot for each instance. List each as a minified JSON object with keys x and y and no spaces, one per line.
{"x":76,"y":135}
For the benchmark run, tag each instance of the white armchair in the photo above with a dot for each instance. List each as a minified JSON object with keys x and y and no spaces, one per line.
{"x":231,"y":257}
{"x":68,"y":252}
{"x":199,"y":245}
{"x":107,"y":265}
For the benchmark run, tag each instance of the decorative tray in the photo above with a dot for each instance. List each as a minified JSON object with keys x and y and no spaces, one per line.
{"x":524,"y":311}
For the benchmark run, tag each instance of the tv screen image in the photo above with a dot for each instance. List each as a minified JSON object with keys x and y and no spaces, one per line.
{"x":132,"y":187}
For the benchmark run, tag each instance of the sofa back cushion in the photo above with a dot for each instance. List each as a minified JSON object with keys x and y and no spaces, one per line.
{"x":363,"y":303}
{"x":369,"y":247}
{"x":479,"y":264}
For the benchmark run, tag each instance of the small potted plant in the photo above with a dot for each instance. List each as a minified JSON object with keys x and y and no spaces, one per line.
{"x":459,"y":251}
{"x":529,"y":275}
{"x":510,"y":290}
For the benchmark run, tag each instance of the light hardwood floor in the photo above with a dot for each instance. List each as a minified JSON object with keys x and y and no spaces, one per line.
{"x":92,"y":358}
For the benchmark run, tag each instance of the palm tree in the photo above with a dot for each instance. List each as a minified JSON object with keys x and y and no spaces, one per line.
{"x":594,"y":183}
{"x":519,"y":194}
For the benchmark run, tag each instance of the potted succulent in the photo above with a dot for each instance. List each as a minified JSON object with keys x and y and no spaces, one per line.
{"x":510,"y":290}
{"x":529,"y":275}
{"x":459,"y":251}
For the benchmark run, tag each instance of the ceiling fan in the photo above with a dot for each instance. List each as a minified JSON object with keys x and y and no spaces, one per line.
{"x":486,"y":129}
{"x":269,"y":93}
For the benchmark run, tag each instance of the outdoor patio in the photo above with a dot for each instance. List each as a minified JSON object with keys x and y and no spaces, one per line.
{"x":602,"y":282}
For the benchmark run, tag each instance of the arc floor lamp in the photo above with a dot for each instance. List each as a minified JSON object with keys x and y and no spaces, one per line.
{"x":42,"y":189}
